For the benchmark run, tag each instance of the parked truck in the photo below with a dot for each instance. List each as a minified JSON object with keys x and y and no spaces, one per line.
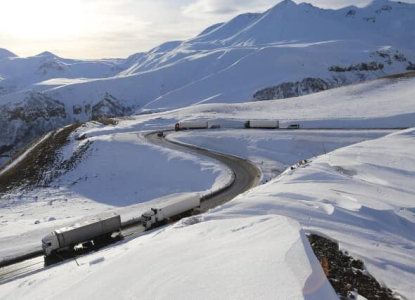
{"x":266,"y":124}
{"x":68,"y":237}
{"x":191,"y":125}
{"x":178,"y":205}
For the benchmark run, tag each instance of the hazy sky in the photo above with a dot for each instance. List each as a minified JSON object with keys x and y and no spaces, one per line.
{"x":117,"y":28}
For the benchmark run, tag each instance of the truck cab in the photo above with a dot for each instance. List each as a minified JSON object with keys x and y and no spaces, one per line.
{"x":149,"y":218}
{"x":50,"y":243}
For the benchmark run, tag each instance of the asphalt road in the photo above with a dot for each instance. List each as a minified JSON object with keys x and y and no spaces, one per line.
{"x":246,"y":176}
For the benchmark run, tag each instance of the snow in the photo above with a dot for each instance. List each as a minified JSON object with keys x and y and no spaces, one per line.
{"x":120,"y":173}
{"x":338,"y":194}
{"x":229,"y":62}
{"x":383,"y":103}
{"x":356,"y":187}
{"x":361,"y":196}
{"x":273,"y":151}
{"x":274,"y":247}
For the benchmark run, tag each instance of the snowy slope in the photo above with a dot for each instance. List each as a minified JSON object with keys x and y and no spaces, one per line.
{"x":251,"y":57}
{"x":182,"y":262}
{"x":254,"y":247}
{"x":384,"y":103}
{"x":361,"y":196}
{"x":20,"y":73}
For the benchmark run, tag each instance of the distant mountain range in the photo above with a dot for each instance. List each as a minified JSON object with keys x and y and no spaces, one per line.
{"x":287,"y":51}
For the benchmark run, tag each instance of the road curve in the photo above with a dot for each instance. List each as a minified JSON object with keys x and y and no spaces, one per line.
{"x":246,"y":174}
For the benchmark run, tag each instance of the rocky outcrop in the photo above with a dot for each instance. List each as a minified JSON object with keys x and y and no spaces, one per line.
{"x":292,"y":89}
{"x":23,"y":121}
{"x":109,"y":107}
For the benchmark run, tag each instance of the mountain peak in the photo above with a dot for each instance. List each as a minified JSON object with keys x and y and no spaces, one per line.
{"x":282,"y":6}
{"x":6,"y":53}
{"x":285,"y":3}
{"x":47,"y":53}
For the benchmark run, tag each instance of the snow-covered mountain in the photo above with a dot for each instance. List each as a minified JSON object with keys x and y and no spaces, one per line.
{"x":20,"y":73}
{"x":287,"y":51}
{"x":252,"y":247}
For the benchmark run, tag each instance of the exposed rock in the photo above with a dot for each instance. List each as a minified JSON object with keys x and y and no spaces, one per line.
{"x":370,"y":66}
{"x":76,"y":109}
{"x":22,"y":122}
{"x":109,"y":107}
{"x":292,"y":89}
{"x":348,"y":276}
{"x":351,"y":13}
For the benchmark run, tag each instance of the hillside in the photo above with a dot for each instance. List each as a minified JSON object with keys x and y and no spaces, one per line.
{"x":356,"y":189}
{"x":250,"y":58}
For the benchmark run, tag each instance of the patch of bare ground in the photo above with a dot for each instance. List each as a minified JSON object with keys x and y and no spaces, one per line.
{"x":347,"y":275}
{"x":34,"y":170}
{"x":109,"y":121}
{"x":401,"y":75}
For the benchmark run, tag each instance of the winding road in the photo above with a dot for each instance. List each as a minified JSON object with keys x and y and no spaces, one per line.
{"x":246,"y":176}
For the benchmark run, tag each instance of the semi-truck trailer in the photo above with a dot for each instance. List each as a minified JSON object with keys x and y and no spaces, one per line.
{"x":191,"y":125}
{"x":271,"y":124}
{"x":67,"y":237}
{"x":177,"y":205}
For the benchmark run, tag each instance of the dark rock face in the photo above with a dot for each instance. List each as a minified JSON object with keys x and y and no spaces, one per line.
{"x":22,"y":122}
{"x":292,"y":89}
{"x":76,"y":109}
{"x":370,"y":66}
{"x":36,"y":114}
{"x":347,"y":275}
{"x":109,"y":107}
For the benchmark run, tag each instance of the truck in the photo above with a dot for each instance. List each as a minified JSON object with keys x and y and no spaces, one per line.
{"x":176,"y":206}
{"x":266,"y":124}
{"x":67,"y":238}
{"x":293,"y":126}
{"x":191,"y":125}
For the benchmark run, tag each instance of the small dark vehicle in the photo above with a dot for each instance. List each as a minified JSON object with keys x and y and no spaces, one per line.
{"x":160,"y":134}
{"x":294,"y":126}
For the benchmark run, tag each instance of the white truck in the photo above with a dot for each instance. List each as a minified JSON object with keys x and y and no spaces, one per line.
{"x":191,"y":125}
{"x":266,"y":124}
{"x":67,"y":237}
{"x":175,"y":206}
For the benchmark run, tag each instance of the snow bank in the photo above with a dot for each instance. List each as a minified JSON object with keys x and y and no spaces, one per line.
{"x":275,"y":150}
{"x":265,"y":257}
{"x":361,"y":196}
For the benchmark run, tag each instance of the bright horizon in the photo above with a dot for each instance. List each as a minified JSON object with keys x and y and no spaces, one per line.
{"x":91,"y":29}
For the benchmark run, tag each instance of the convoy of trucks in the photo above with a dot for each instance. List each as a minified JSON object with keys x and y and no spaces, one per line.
{"x":68,"y":237}
{"x":260,"y":124}
{"x":266,"y":124}
{"x":175,"y":206}
{"x":105,"y":227}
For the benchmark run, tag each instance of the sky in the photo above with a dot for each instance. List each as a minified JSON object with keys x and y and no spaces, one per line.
{"x":108,"y":29}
